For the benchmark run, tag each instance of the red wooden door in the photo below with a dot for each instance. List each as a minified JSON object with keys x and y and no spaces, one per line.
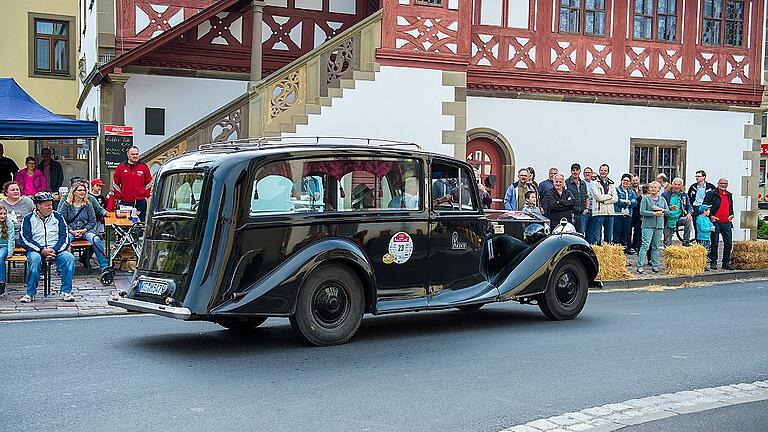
{"x":487,"y":154}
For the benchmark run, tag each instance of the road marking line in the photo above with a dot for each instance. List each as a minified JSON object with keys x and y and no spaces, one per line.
{"x":615,"y":416}
{"x":660,"y":288}
{"x":83,"y":317}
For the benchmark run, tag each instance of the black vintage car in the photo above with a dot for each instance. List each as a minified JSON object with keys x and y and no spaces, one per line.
{"x":325,"y":231}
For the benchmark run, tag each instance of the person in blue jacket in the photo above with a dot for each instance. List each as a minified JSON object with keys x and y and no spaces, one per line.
{"x":623,"y":208}
{"x":44,"y":236}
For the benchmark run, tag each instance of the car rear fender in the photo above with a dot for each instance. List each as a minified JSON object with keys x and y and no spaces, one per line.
{"x":275,"y":294}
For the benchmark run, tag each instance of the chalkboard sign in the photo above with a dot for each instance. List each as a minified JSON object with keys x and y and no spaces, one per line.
{"x":117,"y":141}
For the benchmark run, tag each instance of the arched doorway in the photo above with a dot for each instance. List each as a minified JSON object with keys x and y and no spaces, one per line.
{"x":489,"y":150}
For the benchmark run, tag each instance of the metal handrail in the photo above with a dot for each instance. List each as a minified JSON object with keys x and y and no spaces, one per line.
{"x":293,"y":141}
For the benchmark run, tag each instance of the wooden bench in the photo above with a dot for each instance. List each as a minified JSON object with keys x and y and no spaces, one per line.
{"x":20,"y":256}
{"x":81,"y":246}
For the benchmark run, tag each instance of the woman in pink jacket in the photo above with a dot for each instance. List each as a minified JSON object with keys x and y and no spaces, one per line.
{"x":30,"y":179}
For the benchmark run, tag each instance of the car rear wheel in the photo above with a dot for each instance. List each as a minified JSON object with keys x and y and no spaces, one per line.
{"x":330,"y":306}
{"x":239,"y":324}
{"x":566,"y":292}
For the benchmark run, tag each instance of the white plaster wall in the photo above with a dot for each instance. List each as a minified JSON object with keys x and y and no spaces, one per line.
{"x":547,"y":134}
{"x":87,"y":40}
{"x":401,"y":104}
{"x":186,"y":100}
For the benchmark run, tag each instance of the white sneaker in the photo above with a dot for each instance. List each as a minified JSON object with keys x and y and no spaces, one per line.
{"x":67,"y":297}
{"x":27,"y":299}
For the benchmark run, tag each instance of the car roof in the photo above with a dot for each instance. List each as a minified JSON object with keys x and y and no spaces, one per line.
{"x":246,"y":150}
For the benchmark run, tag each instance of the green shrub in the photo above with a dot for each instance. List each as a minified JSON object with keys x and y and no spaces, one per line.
{"x":762,"y":229}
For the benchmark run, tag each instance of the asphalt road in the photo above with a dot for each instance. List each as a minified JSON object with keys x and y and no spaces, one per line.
{"x":437,"y":371}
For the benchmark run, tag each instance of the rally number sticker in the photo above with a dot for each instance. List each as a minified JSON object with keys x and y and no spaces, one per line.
{"x":400,"y":248}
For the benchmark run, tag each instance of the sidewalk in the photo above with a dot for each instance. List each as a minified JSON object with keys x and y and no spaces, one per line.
{"x":90,"y":297}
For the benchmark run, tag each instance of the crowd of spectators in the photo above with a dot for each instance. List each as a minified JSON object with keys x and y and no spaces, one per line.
{"x":35,"y":218}
{"x":642,"y":218}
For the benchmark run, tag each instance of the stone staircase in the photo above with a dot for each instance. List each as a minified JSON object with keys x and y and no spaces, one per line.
{"x":288,"y":97}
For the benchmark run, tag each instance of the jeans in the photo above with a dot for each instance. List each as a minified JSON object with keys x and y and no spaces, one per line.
{"x":706,"y":244}
{"x":669,"y":233}
{"x":588,"y":223}
{"x":652,"y":242}
{"x":726,"y":230}
{"x":65,"y":265}
{"x":580,"y":220}
{"x":621,"y":229}
{"x":97,"y":246}
{"x":637,"y":232}
{"x":597,"y":229}
{"x":141,"y":208}
{"x":4,"y":253}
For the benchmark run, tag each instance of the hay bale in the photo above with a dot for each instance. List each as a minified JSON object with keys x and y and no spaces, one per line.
{"x":682,"y":260}
{"x":612,"y":262}
{"x":750,"y":255}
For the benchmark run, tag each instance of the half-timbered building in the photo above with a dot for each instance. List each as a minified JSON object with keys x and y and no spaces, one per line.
{"x":646,"y":86}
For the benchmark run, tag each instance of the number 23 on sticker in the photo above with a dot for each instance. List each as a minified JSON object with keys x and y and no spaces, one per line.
{"x":400,"y":248}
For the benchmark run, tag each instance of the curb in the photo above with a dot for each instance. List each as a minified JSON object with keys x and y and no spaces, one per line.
{"x":672,"y":281}
{"x":26,"y":316}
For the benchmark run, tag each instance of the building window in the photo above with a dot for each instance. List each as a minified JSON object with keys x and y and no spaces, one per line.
{"x":63,"y":149}
{"x":51,"y":47}
{"x":154,"y":121}
{"x":582,"y":16}
{"x":430,"y":2}
{"x":723,"y":27}
{"x":661,"y":12}
{"x":649,"y":157}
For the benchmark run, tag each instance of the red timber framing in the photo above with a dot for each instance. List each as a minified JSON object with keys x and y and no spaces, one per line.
{"x":415,"y":33}
{"x":208,"y":35}
{"x":536,"y":58}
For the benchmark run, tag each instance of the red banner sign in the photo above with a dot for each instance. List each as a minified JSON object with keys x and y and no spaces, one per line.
{"x":764,"y":150}
{"x":118,"y":130}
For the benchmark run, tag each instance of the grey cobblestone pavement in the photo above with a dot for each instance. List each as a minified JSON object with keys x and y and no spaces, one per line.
{"x":90,"y":297}
{"x":631,"y":412}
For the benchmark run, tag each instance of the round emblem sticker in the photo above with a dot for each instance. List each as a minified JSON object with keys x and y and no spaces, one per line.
{"x":401,"y":247}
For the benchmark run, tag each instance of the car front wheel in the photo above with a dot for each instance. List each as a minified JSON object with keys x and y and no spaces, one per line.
{"x":330,"y":306}
{"x":566,"y":292}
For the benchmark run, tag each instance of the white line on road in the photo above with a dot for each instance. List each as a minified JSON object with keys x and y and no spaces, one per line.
{"x":85,"y":317}
{"x":632,"y":412}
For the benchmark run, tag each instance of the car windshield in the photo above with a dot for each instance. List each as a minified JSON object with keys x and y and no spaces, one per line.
{"x":181,"y":192}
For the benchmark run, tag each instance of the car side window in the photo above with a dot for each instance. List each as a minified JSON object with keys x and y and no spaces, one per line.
{"x":352,"y":184}
{"x":452,"y":188}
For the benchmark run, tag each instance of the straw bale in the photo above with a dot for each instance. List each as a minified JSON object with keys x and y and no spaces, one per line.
{"x":750,"y":255}
{"x":682,"y":260}
{"x":612,"y":262}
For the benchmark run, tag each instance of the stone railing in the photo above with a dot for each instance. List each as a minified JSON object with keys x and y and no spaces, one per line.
{"x":228,"y":123}
{"x":284,"y":99}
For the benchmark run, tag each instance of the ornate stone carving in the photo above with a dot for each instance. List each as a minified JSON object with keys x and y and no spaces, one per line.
{"x":171,"y":153}
{"x":228,"y":128}
{"x":340,"y":61}
{"x":285,"y":94}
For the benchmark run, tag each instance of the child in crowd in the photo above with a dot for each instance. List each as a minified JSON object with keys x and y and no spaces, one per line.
{"x":7,"y":243}
{"x":704,"y":227}
{"x":531,"y":206}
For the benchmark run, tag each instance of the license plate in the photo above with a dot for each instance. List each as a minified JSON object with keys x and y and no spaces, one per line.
{"x":150,"y":287}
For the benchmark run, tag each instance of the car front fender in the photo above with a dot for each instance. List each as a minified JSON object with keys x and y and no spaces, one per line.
{"x":275,"y":294}
{"x":529,"y":273}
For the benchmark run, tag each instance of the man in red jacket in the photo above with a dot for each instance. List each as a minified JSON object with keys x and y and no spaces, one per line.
{"x":133,"y":183}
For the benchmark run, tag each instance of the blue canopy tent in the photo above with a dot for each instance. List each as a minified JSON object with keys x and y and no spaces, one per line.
{"x":23,"y":118}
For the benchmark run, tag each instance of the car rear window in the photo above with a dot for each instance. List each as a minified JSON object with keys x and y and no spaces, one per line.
{"x":181,"y":192}
{"x":338,"y":185}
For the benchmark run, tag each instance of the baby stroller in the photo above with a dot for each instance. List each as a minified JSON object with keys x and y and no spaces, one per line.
{"x":127,"y":236}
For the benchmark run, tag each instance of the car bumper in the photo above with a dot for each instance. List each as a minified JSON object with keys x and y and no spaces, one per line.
{"x":153,"y":308}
